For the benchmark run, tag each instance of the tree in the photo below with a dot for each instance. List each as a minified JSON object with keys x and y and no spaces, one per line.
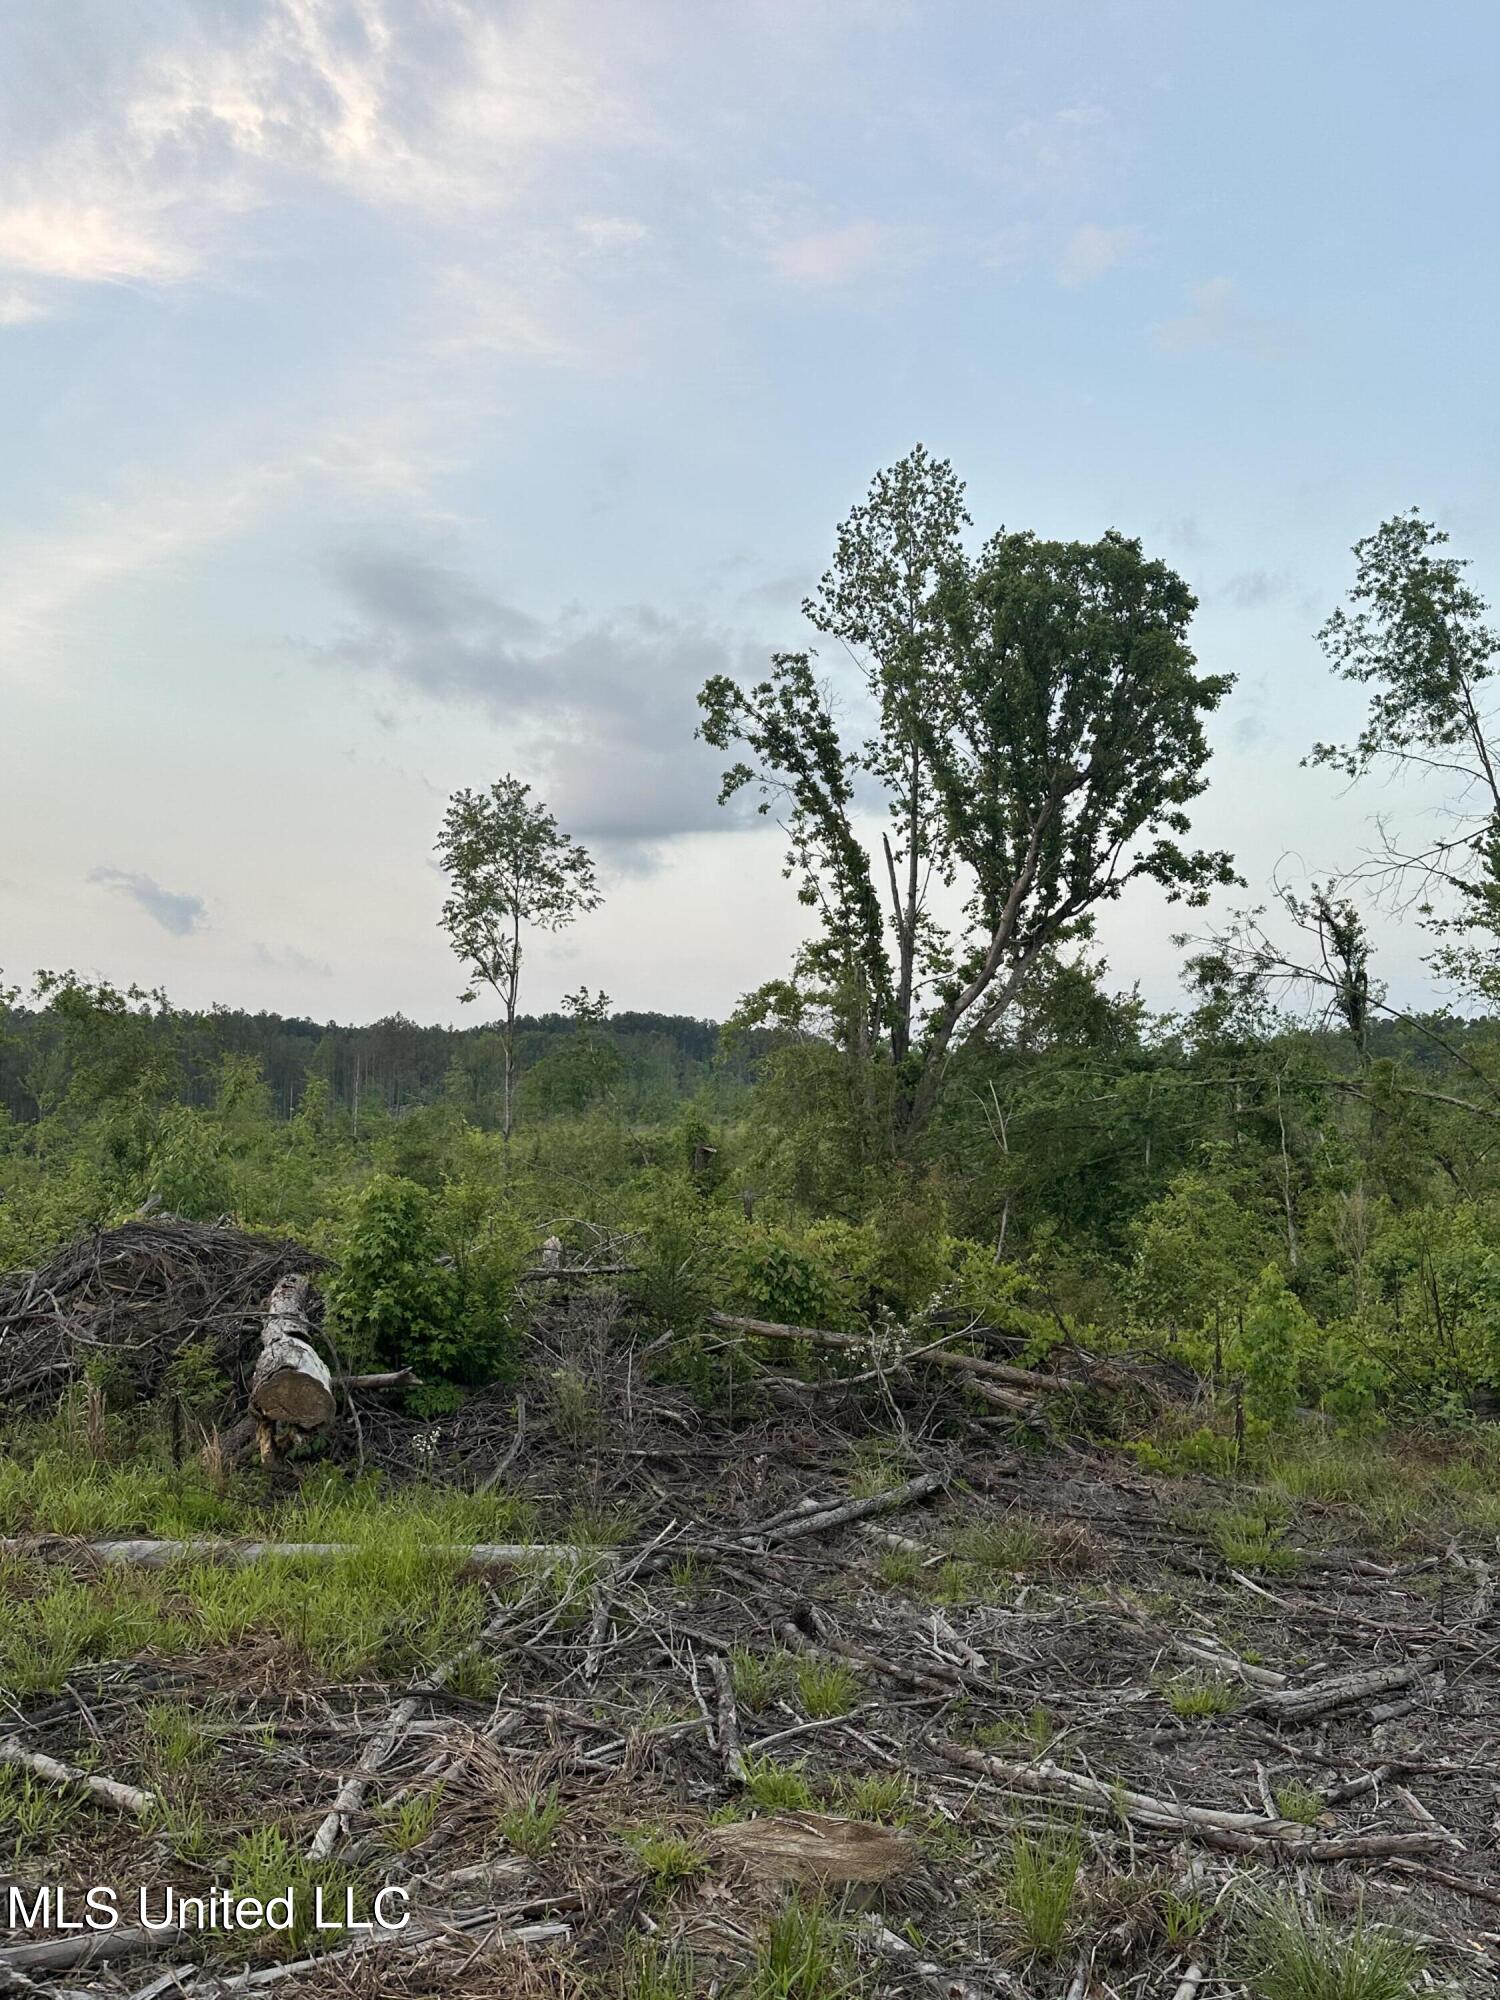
{"x":1415,"y":633}
{"x":1035,"y":738}
{"x":509,"y":868}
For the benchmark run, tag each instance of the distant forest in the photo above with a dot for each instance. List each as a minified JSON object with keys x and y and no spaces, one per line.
{"x":644,"y":1064}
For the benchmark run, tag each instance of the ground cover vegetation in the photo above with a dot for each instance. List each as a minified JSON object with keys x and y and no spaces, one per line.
{"x":947,"y":1482}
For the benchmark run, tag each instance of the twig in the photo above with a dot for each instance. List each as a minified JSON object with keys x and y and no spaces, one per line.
{"x":109,"y":1791}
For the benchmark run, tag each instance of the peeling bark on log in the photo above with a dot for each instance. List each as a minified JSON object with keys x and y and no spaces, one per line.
{"x":292,"y":1384}
{"x":1302,"y":1704}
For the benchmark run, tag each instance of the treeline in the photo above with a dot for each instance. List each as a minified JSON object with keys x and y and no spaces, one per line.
{"x":646,"y":1063}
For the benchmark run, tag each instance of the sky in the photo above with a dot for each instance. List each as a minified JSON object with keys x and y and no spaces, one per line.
{"x":403,"y":392}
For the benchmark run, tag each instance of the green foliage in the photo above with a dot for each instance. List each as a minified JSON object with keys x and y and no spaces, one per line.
{"x":1275,"y":1335}
{"x":777,"y":1787}
{"x":1041,"y":1886}
{"x":1194,"y":1699}
{"x":1292,"y":1953}
{"x":426,"y":1280}
{"x":531,"y":1827}
{"x":803,"y":1955}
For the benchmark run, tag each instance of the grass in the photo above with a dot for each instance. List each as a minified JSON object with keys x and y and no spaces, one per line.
{"x":670,"y":1860}
{"x":1299,"y":1802}
{"x":175,"y":1738}
{"x":760,"y":1678}
{"x":1254,"y":1538}
{"x":885,"y":1796}
{"x":653,"y":1971}
{"x":32,"y":1814}
{"x":531,"y":1827}
{"x":1041,"y":1886}
{"x":1194,"y":1698}
{"x":826,"y":1688}
{"x":266,"y":1864}
{"x":1031,"y":1732}
{"x":1291,"y":1954}
{"x":900,"y":1569}
{"x":777,"y":1787}
{"x":1011,"y":1542}
{"x":878,"y":1465}
{"x":804,"y":1955}
{"x":407,"y":1824}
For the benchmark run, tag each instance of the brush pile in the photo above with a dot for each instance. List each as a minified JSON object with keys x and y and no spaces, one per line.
{"x":131,"y":1300}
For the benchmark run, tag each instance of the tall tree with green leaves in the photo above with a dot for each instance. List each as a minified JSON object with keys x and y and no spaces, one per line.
{"x":1417,"y":635}
{"x":1033,"y":737}
{"x":510,"y":869}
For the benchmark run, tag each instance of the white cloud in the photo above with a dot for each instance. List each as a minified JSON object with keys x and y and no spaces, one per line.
{"x":1092,"y":250}
{"x":1217,"y":319}
{"x":833,"y":257}
{"x":444,"y":106}
{"x":18,"y":308}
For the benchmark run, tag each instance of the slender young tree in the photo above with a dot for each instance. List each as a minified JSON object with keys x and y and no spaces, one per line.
{"x":1418,"y":636}
{"x":1036,"y":738}
{"x":510,"y":869}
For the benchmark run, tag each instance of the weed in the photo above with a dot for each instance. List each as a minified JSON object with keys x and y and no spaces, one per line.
{"x":1192,"y":1698}
{"x":669,"y":1859}
{"x":1294,"y":1954}
{"x":1254,"y":1538}
{"x":408,"y":1823}
{"x":804,"y":1955}
{"x":877,"y":1795}
{"x":1041,"y":1883}
{"x":531,"y":1827}
{"x":1299,"y":1802}
{"x":826,"y":1687}
{"x":777,"y":1787}
{"x":760,"y":1677}
{"x":900,"y":1569}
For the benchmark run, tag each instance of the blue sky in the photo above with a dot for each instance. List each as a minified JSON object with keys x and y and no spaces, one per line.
{"x":403,"y":391}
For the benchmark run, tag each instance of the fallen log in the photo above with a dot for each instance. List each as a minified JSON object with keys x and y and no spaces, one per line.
{"x":1240,"y":1832}
{"x":975,"y":1366}
{"x":1302,"y":1704}
{"x":108,"y":1791}
{"x":150,"y":1554}
{"x":850,"y":1510}
{"x":291,"y":1384}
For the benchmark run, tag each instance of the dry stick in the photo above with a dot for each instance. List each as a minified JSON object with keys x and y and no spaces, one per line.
{"x":58,"y":1954}
{"x":851,"y":1510}
{"x":354,"y":1787}
{"x":512,"y":1451}
{"x":935,"y":1357}
{"x":109,"y":1791}
{"x":1192,"y":1980}
{"x":150,"y":1554}
{"x":1301,"y":1704}
{"x":1241,"y":1832}
{"x":728,"y":1733}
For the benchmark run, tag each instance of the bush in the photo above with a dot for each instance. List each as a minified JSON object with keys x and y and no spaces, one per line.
{"x":425,"y":1282}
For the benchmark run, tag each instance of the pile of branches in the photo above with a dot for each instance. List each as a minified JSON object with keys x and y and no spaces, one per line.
{"x":133,"y":1298}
